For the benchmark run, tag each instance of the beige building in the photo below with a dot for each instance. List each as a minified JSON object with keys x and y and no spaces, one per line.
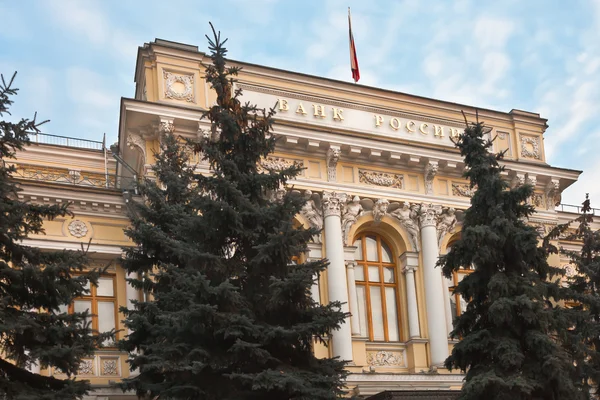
{"x":382,"y":178}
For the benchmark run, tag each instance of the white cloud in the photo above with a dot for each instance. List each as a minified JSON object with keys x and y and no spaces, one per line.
{"x":491,"y":32}
{"x":82,"y":17}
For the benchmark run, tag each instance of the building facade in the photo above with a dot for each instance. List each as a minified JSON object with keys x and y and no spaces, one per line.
{"x":382,"y":179}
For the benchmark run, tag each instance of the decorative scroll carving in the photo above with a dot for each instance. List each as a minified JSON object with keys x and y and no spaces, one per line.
{"x":378,"y":178}
{"x":384,"y":358}
{"x":86,"y":367}
{"x":530,"y":147}
{"x":408,"y":215}
{"x":332,"y":203}
{"x":462,"y":190}
{"x":62,"y":175}
{"x":109,"y":367}
{"x":78,"y":228}
{"x":350,"y":213}
{"x":552,"y":193}
{"x":278,"y":164}
{"x":380,"y":209}
{"x":135,"y":141}
{"x":428,"y":215}
{"x":446,"y":223}
{"x":333,"y":156}
{"x":431,"y":170}
{"x":187,"y":81}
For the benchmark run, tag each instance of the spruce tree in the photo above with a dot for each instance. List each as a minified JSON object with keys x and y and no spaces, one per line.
{"x":507,"y":348}
{"x":580,"y":333}
{"x":34,"y":284}
{"x":228,"y":315}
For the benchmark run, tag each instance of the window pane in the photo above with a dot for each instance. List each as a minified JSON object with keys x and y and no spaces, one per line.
{"x":449,"y":282}
{"x":63,"y":309}
{"x":106,"y":317}
{"x":388,"y":275}
{"x":362,"y":310}
{"x":374,"y":274}
{"x":83,"y":305}
{"x":392,"y":314}
{"x":386,"y":253}
{"x":358,"y":252}
{"x":105,"y":287}
{"x":453,"y":306}
{"x":461,"y":276}
{"x":359,"y":273}
{"x":377,"y":313}
{"x":371,"y":244}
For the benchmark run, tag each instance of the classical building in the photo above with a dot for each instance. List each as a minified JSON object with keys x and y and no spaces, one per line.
{"x":381,"y":177}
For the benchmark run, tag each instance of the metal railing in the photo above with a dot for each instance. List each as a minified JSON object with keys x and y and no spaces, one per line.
{"x":570,"y":208}
{"x":46,"y":138}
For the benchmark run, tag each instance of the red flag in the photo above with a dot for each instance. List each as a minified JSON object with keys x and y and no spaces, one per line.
{"x":353,"y":58}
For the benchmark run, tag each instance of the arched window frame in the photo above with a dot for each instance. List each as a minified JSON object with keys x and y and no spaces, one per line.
{"x":391,"y":329}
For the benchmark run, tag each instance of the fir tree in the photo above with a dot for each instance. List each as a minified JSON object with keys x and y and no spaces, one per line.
{"x":507,"y":345}
{"x":34,"y":285}
{"x":580,"y":318}
{"x":228,"y":315}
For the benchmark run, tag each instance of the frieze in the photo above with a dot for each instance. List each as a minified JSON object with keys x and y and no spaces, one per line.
{"x":63,"y":175}
{"x":278,"y":164}
{"x":385,"y":358}
{"x":380,"y":178}
{"x":462,"y":190}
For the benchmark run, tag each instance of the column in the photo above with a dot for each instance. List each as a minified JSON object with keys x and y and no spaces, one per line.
{"x":131,"y":292}
{"x":434,"y":295}
{"x":410,"y":262}
{"x":336,"y":271}
{"x":315,"y":252}
{"x":349,"y":252}
{"x":449,"y":320}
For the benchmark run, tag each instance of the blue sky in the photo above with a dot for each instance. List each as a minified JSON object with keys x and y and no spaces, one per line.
{"x":76,"y":58}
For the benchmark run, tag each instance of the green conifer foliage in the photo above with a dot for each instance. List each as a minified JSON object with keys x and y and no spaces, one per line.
{"x":507,"y":346}
{"x":34,"y":285}
{"x":227,"y":315}
{"x":580,"y":318}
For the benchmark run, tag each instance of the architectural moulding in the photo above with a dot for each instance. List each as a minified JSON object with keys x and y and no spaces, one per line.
{"x":350,"y":213}
{"x":179,"y":86}
{"x":135,"y":142}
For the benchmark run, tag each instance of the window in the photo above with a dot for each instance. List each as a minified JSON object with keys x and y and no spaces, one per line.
{"x":101,"y":303}
{"x":457,"y":304}
{"x":376,"y":283}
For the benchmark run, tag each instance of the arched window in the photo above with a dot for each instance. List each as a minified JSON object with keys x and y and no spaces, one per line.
{"x":457,"y":304}
{"x":376,"y":287}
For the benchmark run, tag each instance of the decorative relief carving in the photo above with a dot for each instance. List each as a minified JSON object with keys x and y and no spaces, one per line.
{"x":333,"y":156}
{"x":518,"y":180}
{"x":350,"y":213}
{"x":407,"y":215}
{"x":380,"y":209}
{"x":569,"y":270}
{"x":530,"y":147}
{"x":428,"y":215}
{"x":446,"y":223}
{"x":78,"y":228}
{"x":278,"y":164}
{"x":431,"y":170}
{"x":86,"y":367}
{"x":62,"y":175}
{"x":379,"y":178}
{"x":552,"y":192}
{"x":462,"y":190}
{"x":538,"y":200}
{"x":109,"y":366}
{"x":166,"y":126}
{"x":312,"y":214}
{"x":135,"y":141}
{"x":332,"y":203}
{"x":179,"y":86}
{"x":384,"y":358}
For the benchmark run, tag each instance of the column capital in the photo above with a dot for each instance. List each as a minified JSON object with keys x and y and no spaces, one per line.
{"x":332,"y":203}
{"x":350,"y":264}
{"x":428,"y":215}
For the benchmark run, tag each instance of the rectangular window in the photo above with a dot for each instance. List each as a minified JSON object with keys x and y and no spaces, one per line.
{"x":101,"y":303}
